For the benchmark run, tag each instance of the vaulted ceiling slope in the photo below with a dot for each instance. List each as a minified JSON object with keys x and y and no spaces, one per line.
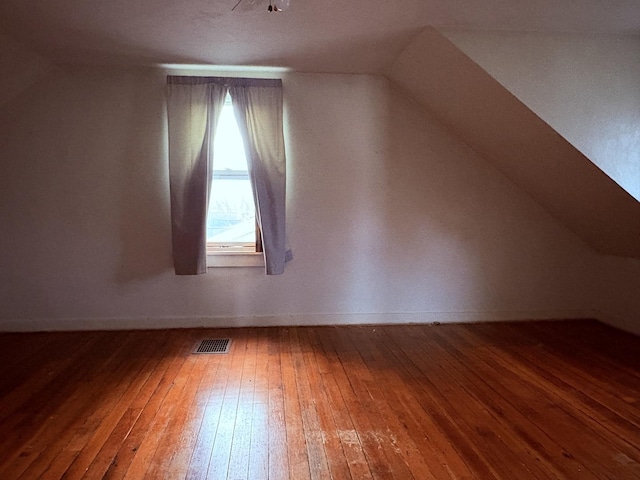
{"x":519,"y":144}
{"x":586,"y":87}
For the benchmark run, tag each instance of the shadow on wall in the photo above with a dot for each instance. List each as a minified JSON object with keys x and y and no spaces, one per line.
{"x":380,"y":240}
{"x":393,"y":214}
{"x":144,"y":207}
{"x":462,"y":237}
{"x":333,"y":195}
{"x":84,"y":190}
{"x":425,"y":224}
{"x":26,"y":69}
{"x":516,"y":142}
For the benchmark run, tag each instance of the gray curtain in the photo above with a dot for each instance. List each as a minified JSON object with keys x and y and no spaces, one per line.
{"x":257,"y":104}
{"x":194,"y":105}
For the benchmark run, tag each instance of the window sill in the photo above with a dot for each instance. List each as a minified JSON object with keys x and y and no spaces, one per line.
{"x":235,"y":259}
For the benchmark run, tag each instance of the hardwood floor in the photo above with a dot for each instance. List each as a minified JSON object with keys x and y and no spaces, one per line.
{"x":518,"y":401}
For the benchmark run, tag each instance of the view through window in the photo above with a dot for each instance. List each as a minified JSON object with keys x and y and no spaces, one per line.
{"x":231,"y":222}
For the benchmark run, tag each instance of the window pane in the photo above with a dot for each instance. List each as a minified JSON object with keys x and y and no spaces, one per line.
{"x":231,"y":215}
{"x":228,"y":149}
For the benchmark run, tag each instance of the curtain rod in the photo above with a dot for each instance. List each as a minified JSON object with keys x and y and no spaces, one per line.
{"x":225,"y":81}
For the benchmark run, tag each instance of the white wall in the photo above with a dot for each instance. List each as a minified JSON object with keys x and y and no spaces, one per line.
{"x":618,"y":302}
{"x":391,"y":218}
{"x":587,"y":87}
{"x":21,"y":68}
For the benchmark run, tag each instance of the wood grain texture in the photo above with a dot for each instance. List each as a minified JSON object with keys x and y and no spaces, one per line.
{"x":533,"y":400}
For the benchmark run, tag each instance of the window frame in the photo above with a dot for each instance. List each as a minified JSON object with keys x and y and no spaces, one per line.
{"x":235,"y":254}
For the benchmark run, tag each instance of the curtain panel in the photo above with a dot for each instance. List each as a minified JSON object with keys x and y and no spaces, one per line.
{"x":194,"y":105}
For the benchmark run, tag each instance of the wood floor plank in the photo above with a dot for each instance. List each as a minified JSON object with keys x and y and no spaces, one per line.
{"x":500,"y":394}
{"x":159,"y":465}
{"x":37,"y":395}
{"x":157,"y":428}
{"x":297,"y":458}
{"x":566,"y":421}
{"x":494,"y":397}
{"x":148,"y":400}
{"x":498,"y":436}
{"x":323,"y":423}
{"x":617,"y":354}
{"x":586,"y":379}
{"x":315,"y":443}
{"x":378,"y":390}
{"x":241,"y":439}
{"x":73,"y":400}
{"x":259,"y":448}
{"x":125,"y":413}
{"x":530,"y":400}
{"x":218,"y":467}
{"x":98,"y":435}
{"x":188,"y":442}
{"x":430,"y":423}
{"x":52,"y":359}
{"x":136,"y":370}
{"x":198,"y":464}
{"x":407,"y":418}
{"x":341,"y":420}
{"x":383,"y":461}
{"x":277,"y":429}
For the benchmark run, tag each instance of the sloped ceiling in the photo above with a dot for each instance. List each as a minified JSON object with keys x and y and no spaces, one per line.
{"x":519,"y":144}
{"x":359,"y":36}
{"x":586,"y":87}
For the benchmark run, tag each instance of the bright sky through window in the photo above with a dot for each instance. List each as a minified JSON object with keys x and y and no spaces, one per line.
{"x":231,"y":215}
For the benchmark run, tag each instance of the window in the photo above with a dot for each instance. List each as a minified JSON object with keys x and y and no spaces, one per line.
{"x":231,"y":215}
{"x":192,"y":103}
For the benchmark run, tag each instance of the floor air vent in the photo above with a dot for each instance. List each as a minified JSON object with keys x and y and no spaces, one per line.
{"x":214,"y":345}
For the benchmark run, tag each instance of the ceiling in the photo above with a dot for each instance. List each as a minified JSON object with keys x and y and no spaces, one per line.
{"x":350,"y":36}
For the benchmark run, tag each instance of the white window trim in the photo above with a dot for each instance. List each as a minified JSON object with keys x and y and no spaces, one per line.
{"x":214,"y":248}
{"x":232,"y":254}
{"x":235,"y":259}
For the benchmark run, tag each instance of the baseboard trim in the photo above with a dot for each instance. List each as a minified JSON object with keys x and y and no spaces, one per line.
{"x":150,"y":323}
